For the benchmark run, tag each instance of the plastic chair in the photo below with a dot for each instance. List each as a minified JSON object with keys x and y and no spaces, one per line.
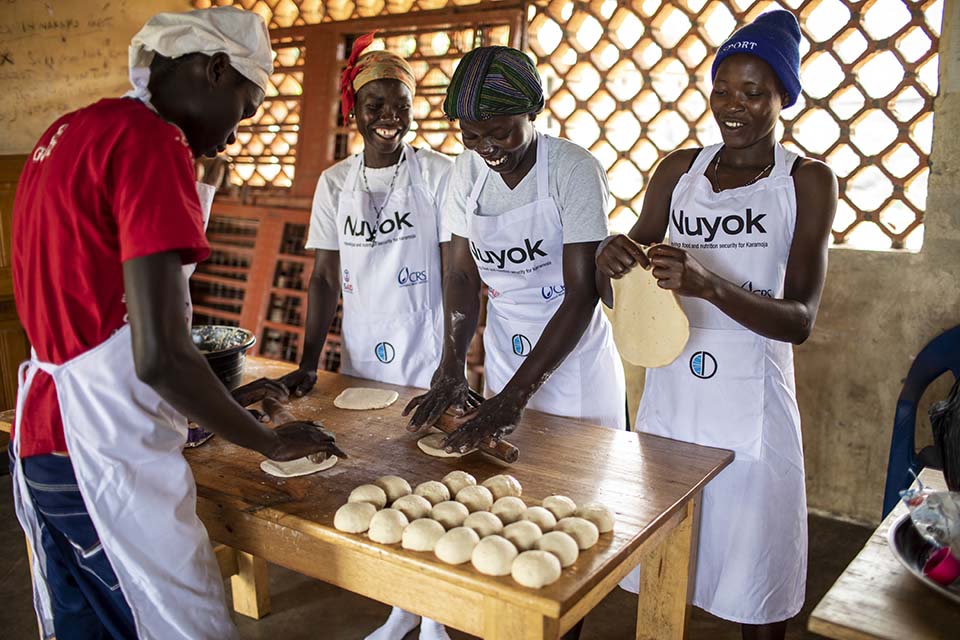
{"x":940,"y":355}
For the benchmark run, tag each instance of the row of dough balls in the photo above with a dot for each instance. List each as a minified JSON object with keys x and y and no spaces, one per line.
{"x":487,"y":525}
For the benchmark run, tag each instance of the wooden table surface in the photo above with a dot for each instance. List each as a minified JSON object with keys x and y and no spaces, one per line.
{"x":876,"y":597}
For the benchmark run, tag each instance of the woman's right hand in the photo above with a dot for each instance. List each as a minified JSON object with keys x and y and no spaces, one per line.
{"x":447,"y":391}
{"x":300,"y":381}
{"x":618,"y":255}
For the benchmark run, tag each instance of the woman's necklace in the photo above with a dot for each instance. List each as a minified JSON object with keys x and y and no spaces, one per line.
{"x":366,"y":187}
{"x":716,"y":175}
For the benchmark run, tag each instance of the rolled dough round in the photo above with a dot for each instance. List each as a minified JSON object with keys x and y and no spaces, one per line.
{"x":394,"y":486}
{"x":475,"y":497}
{"x":299,"y":467}
{"x":484,"y":523}
{"x":561,"y":545}
{"x":540,"y":517}
{"x":456,"y":546}
{"x":449,"y":513}
{"x":456,"y":480}
{"x":386,"y":526}
{"x":560,"y":506}
{"x":508,"y":509}
{"x":598,"y":515}
{"x":583,"y":531}
{"x":535,"y":569}
{"x":503,"y":485}
{"x":369,"y":493}
{"x":354,"y":517}
{"x":412,"y":506}
{"x":361,"y":398}
{"x":430,"y":445}
{"x":649,"y":326}
{"x":494,"y":556}
{"x":422,"y":535}
{"x":523,"y":534}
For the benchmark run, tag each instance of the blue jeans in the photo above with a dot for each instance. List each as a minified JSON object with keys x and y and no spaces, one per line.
{"x":86,"y":597}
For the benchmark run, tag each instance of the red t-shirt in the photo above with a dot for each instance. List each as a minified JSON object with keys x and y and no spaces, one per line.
{"x":105,"y":184}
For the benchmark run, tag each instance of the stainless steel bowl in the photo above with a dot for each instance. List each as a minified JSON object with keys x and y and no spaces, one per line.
{"x":225,"y":350}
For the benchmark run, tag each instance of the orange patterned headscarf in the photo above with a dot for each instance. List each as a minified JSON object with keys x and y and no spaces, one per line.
{"x":363,"y":69}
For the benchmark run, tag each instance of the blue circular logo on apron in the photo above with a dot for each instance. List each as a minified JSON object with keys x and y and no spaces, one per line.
{"x":703,"y":365}
{"x":521,"y":345}
{"x":385,"y":352}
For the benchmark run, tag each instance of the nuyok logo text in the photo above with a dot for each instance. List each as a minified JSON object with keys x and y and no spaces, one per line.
{"x":733,"y":224}
{"x":515,"y":255}
{"x":369,"y":231}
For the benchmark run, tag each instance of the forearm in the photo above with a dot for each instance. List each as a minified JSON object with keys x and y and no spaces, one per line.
{"x":322,"y":301}
{"x":461,"y":308}
{"x":774,"y":318}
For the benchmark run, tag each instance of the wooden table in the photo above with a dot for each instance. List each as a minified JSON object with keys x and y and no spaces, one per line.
{"x":876,"y":597}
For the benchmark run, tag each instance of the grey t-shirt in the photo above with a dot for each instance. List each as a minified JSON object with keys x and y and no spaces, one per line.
{"x":576,"y":180}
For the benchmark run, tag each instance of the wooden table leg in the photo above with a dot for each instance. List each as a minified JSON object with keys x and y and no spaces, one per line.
{"x":505,"y":621}
{"x":666,"y":580}
{"x":251,"y":592}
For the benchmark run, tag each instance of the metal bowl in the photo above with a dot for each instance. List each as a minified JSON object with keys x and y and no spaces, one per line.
{"x":225,"y":350}
{"x":912,"y":550}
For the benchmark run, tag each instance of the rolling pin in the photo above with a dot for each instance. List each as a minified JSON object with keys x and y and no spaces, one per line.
{"x":502,"y":450}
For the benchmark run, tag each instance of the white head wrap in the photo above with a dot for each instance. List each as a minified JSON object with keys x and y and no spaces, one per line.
{"x":240,"y":34}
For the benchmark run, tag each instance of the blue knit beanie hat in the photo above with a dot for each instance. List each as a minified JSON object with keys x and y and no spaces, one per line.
{"x":774,"y":37}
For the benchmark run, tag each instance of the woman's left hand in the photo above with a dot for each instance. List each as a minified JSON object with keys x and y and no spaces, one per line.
{"x":680,"y":272}
{"x":495,"y":418}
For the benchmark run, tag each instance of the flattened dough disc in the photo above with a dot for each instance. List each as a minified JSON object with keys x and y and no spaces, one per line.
{"x":649,"y":326}
{"x":298,"y":467}
{"x":360,"y":398}
{"x":430,"y":445}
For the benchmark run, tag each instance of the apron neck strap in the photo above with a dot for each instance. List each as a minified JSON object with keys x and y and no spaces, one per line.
{"x":542,"y":167}
{"x":413,"y":166}
{"x":477,"y":188}
{"x":703,"y":159}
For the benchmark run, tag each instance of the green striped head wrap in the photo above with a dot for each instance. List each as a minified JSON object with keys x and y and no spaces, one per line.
{"x":493,"y":81}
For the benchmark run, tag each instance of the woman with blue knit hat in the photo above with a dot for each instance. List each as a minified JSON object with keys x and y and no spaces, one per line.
{"x":748,"y":225}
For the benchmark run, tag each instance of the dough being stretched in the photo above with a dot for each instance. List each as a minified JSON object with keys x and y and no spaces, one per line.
{"x":299,"y":467}
{"x":430,"y":445}
{"x":649,"y":326}
{"x":363,"y":398}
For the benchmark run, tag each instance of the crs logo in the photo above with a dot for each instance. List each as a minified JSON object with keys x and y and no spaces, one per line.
{"x":553,"y":291}
{"x":521,"y":345}
{"x":347,"y":286}
{"x":703,"y":365}
{"x":407,"y":277}
{"x":493,"y":293}
{"x":763,"y":293}
{"x":385,"y":352}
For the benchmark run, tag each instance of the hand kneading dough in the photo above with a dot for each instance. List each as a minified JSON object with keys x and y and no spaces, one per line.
{"x":535,"y":569}
{"x":502,"y":486}
{"x":484,"y":523}
{"x":394,"y":486}
{"x":494,"y":556}
{"x":475,"y":497}
{"x":360,"y":398}
{"x":523,"y":534}
{"x":414,"y":507}
{"x":387,"y":526}
{"x":430,"y":445}
{"x":422,"y":535}
{"x":449,"y":513}
{"x":435,"y":492}
{"x":583,"y":531}
{"x":508,"y":509}
{"x":561,"y":545}
{"x":456,"y":546}
{"x":560,"y":506}
{"x":598,"y":515}
{"x":649,"y":326}
{"x":540,"y":517}
{"x":369,"y":493}
{"x":299,"y":467}
{"x":354,"y":517}
{"x":456,"y":480}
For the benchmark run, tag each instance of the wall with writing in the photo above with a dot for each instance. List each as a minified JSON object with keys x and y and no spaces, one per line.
{"x":60,"y":55}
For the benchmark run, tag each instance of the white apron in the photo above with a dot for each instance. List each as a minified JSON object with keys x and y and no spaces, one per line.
{"x":125,"y":444}
{"x":391,"y":281}
{"x":519,"y":255}
{"x":734,"y":389}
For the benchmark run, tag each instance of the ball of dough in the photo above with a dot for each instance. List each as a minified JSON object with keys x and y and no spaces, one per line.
{"x":583,"y":531}
{"x":494,"y":556}
{"x":503,"y":485}
{"x":523,"y":534}
{"x":435,"y":492}
{"x":394,"y":486}
{"x":369,"y":493}
{"x":540,"y":517}
{"x":387,"y":525}
{"x":508,"y":509}
{"x":560,"y":506}
{"x":484,"y":523}
{"x":456,"y":546}
{"x":598,"y":515}
{"x":476,"y":498}
{"x":561,"y":545}
{"x":456,"y":480}
{"x":354,"y":517}
{"x":535,"y":569}
{"x":412,"y":506}
{"x":449,"y":513}
{"x":422,"y":535}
